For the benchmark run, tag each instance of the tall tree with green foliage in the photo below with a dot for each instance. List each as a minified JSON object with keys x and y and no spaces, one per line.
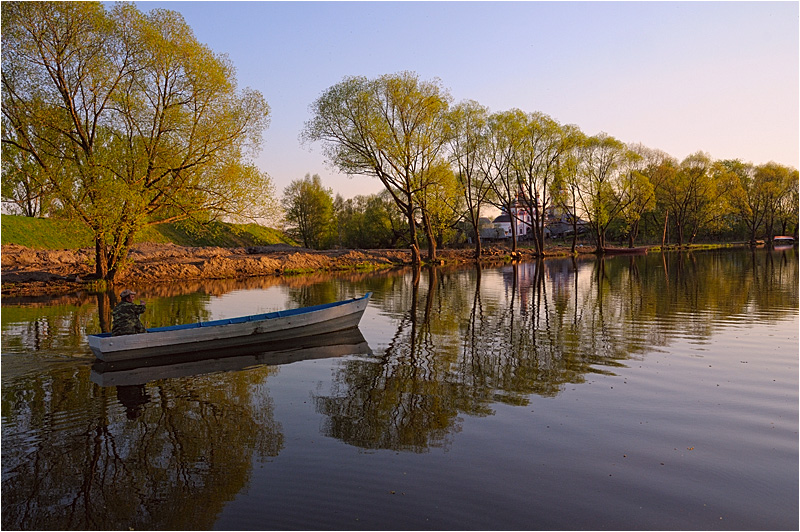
{"x":659,"y":168}
{"x":644,"y":181}
{"x":776,"y":181}
{"x":787,"y":211}
{"x":565,"y":187}
{"x":604,"y":191}
{"x":467,"y":122}
{"x":711,"y":210}
{"x":746,"y":195}
{"x":309,"y":211}
{"x":129,"y":119}
{"x":441,"y":204}
{"x":543,"y":143}
{"x":391,"y":128}
{"x":504,"y":138}
{"x":696,"y":197}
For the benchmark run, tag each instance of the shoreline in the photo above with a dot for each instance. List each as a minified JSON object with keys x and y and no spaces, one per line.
{"x":34,"y":272}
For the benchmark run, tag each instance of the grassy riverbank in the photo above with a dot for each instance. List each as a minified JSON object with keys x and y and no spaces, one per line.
{"x":47,"y":233}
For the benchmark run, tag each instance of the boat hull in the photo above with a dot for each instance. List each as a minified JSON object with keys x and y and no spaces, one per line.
{"x":247,"y":330}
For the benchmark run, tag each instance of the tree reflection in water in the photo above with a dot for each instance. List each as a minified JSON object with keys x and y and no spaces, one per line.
{"x":466,"y":342}
{"x":144,"y":457}
{"x":456,"y":352}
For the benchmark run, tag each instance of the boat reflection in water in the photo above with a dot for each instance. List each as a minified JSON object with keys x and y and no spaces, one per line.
{"x":139,"y":372}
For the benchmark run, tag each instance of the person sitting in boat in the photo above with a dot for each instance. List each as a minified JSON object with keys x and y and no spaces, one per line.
{"x":125,"y":316}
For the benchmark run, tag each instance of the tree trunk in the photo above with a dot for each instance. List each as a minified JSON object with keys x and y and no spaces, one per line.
{"x":513,"y":219}
{"x":770,"y":232}
{"x":412,"y":229}
{"x":539,"y":233}
{"x":118,"y":256}
{"x":426,"y":223}
{"x":431,"y":248}
{"x":415,"y":256}
{"x":100,"y":257}
{"x":600,"y":240}
{"x":535,"y":223}
{"x":574,"y":233}
{"x":574,"y":223}
{"x":633,"y":234}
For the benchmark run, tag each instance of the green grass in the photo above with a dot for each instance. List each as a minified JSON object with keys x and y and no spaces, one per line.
{"x":46,"y":233}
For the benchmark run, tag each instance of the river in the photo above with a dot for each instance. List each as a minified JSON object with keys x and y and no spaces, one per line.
{"x":635,"y":392}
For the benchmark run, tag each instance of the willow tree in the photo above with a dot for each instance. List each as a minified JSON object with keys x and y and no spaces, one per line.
{"x":441,"y":204}
{"x":544,"y":142}
{"x":566,"y":184}
{"x":504,"y":137}
{"x":776,"y":182}
{"x":694,"y":197}
{"x":604,"y":192}
{"x":747,"y":197}
{"x":467,"y":122}
{"x":391,"y":128}
{"x":644,"y":180}
{"x":789,"y":203}
{"x":128,"y":118}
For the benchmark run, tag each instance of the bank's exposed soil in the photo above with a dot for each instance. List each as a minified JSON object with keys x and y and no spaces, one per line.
{"x":35,"y":272}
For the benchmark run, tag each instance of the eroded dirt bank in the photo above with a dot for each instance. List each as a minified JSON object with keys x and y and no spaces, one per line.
{"x":37,"y":272}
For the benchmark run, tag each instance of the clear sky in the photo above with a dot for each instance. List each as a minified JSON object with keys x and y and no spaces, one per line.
{"x":721,"y":77}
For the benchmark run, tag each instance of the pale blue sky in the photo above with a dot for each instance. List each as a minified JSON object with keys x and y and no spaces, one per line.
{"x":720,"y":77}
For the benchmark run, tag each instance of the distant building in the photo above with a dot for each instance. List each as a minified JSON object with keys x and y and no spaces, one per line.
{"x":557,"y":223}
{"x":519,"y":213}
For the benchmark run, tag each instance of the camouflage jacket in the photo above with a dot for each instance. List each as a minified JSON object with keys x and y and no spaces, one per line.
{"x":125,"y":319}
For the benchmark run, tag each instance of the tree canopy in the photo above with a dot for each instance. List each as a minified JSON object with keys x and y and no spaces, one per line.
{"x":309,"y":211}
{"x":392,"y":128}
{"x":125,"y":120}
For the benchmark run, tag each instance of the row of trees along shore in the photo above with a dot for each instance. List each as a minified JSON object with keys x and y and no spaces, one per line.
{"x":442,"y":163}
{"x":119,"y":119}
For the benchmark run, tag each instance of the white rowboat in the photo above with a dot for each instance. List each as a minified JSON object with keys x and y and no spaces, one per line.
{"x":245,"y":330}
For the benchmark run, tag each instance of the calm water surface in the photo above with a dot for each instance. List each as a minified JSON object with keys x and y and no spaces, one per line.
{"x":648,"y":392}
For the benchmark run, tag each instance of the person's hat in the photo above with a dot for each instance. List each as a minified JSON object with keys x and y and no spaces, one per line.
{"x":125,"y":293}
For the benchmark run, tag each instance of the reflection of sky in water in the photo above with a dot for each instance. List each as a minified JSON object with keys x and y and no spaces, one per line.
{"x":374,"y":325}
{"x":246,"y":302}
{"x":494,"y":284}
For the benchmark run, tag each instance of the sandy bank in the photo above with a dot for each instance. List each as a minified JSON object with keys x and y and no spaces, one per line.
{"x":34,"y":272}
